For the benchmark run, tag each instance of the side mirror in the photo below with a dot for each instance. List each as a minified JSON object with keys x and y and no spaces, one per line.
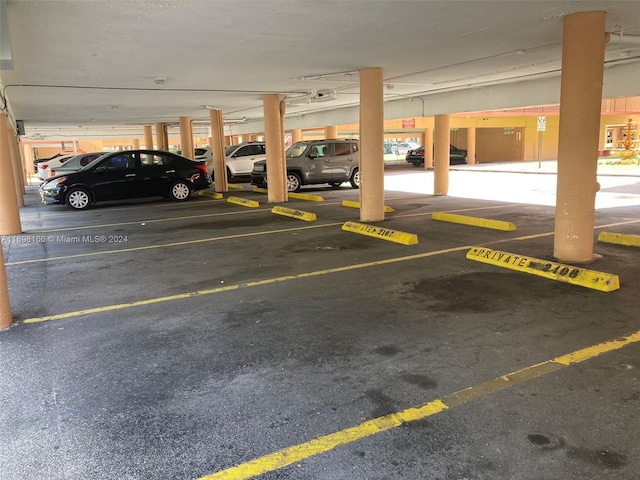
{"x":312,"y":156}
{"x":101,"y":169}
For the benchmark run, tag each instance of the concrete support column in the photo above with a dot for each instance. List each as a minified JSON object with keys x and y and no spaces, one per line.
{"x":428,"y":148}
{"x":161,"y":137}
{"x":148,"y":137}
{"x":471,"y":145}
{"x":9,"y":213}
{"x":16,"y":163}
{"x":331,"y":132}
{"x":371,"y":145}
{"x":186,"y":137}
{"x":253,"y":137}
{"x":135,"y":144}
{"x":217,"y":148}
{"x":274,"y":139}
{"x":296,"y":135}
{"x":27,"y":153}
{"x":583,"y":47}
{"x":442,"y":138}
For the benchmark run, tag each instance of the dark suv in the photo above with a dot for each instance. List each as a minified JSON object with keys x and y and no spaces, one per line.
{"x":456,"y":156}
{"x":314,"y":162}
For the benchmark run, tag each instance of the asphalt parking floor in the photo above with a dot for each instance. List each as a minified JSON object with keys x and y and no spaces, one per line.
{"x":158,"y":340}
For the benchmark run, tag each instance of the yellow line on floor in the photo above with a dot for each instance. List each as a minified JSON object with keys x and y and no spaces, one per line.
{"x":325,"y":443}
{"x":198,"y":293}
{"x":238,"y":286}
{"x":174,"y":244}
{"x":139,"y":222}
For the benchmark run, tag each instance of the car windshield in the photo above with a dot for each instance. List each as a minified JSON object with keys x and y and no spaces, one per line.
{"x":229,"y":150}
{"x":200,"y":151}
{"x":90,"y":164}
{"x":296,"y":150}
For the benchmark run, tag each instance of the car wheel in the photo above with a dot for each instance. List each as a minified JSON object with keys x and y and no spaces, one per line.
{"x":179,"y":191}
{"x":355,"y":178}
{"x":335,"y":184}
{"x":293,"y":182}
{"x":78,"y":199}
{"x":416,"y":163}
{"x":229,"y":176}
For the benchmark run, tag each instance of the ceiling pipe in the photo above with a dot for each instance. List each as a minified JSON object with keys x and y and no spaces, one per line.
{"x":617,"y":38}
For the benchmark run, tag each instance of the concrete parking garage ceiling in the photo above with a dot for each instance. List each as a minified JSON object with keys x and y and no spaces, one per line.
{"x":106,"y":68}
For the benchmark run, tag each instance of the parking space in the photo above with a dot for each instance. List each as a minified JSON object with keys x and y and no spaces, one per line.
{"x":164,"y":340}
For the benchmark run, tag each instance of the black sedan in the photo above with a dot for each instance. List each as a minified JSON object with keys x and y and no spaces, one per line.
{"x":457,"y":156}
{"x":127,"y":174}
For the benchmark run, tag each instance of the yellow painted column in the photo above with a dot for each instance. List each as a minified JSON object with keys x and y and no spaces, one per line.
{"x":583,"y":47}
{"x":135,"y":144}
{"x":442,"y":137}
{"x":276,"y":167}
{"x":371,"y":145}
{"x":428,"y":148}
{"x":217,"y":148}
{"x":16,"y":163}
{"x":160,"y":136}
{"x":186,"y":137}
{"x":148,"y":137}
{"x":471,"y":145}
{"x":331,"y":132}
{"x":296,"y":135}
{"x":9,"y":213}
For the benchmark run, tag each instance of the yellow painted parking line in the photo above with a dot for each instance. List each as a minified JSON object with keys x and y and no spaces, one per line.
{"x":142,"y":222}
{"x":381,"y":233}
{"x":290,"y":455}
{"x":298,"y":214}
{"x":605,"y":282}
{"x":306,"y":196}
{"x":474,"y":221}
{"x":215,"y":195}
{"x":351,"y":204}
{"x":260,"y":190}
{"x":244,"y":202}
{"x":257,"y":283}
{"x":173,"y":244}
{"x":619,"y":239}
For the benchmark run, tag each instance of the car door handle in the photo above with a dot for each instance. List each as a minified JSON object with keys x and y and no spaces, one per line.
{"x":170,"y":171}
{"x":130,"y":175}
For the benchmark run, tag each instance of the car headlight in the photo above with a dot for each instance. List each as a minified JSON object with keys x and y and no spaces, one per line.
{"x":52,"y":184}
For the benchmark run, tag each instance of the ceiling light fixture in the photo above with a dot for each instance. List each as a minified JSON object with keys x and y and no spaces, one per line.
{"x":160,"y":80}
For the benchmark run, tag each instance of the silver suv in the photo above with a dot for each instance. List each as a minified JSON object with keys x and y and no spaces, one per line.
{"x":314,"y":162}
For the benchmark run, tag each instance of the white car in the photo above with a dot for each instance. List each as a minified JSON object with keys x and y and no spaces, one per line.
{"x":45,"y":167}
{"x":239,"y":158}
{"x":204,"y":154}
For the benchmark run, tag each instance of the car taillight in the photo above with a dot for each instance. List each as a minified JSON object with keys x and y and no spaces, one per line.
{"x":44,"y":167}
{"x":203,"y":168}
{"x":52,"y":173}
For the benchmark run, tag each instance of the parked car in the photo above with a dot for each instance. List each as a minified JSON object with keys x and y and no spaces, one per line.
{"x":315,"y":162}
{"x":204,"y":154}
{"x":403,"y":148}
{"x":238,"y":158}
{"x":40,"y":160}
{"x":457,"y":156}
{"x":73,"y":164}
{"x":130,"y":174}
{"x":43,"y":168}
